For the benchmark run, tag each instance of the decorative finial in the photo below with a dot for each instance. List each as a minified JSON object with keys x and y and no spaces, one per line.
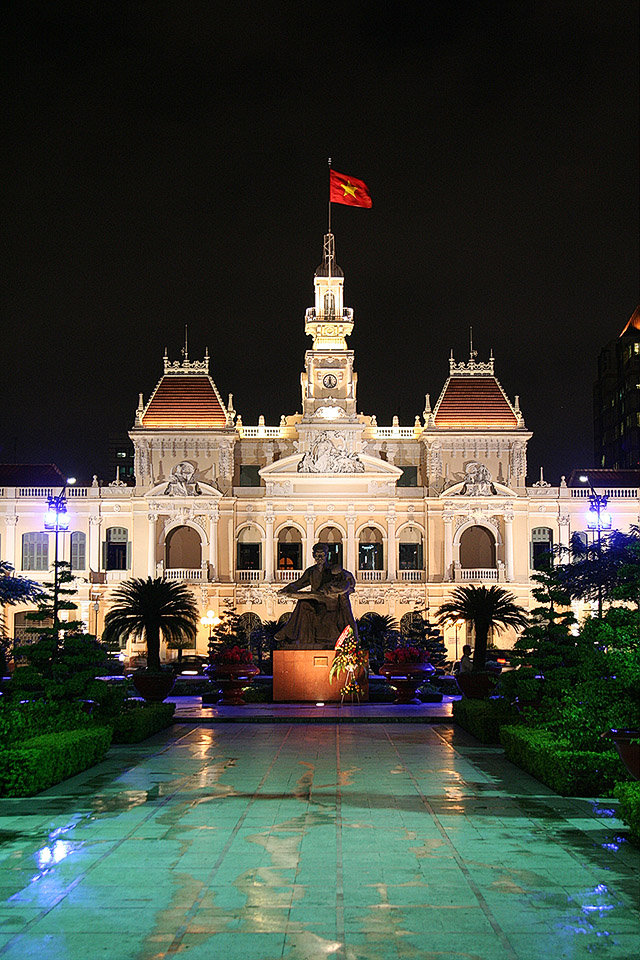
{"x":185,"y":349}
{"x":516,"y":405}
{"x":427,"y":405}
{"x":230,"y":409}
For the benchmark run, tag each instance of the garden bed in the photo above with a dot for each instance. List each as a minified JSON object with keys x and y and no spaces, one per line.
{"x":141,"y":721}
{"x":483,"y":718}
{"x":570,"y":772}
{"x":40,"y":762}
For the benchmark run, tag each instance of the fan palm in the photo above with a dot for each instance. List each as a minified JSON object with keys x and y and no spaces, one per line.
{"x":485,"y":608}
{"x":149,"y":608}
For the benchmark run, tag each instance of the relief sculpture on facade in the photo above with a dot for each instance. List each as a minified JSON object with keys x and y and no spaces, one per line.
{"x":326,"y":456}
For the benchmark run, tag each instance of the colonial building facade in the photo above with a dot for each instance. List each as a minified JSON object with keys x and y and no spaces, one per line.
{"x":234,"y":510}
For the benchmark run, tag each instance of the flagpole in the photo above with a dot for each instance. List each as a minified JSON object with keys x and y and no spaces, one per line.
{"x":329,"y":237}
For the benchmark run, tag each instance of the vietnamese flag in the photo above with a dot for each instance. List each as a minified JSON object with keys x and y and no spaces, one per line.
{"x":349,"y":190}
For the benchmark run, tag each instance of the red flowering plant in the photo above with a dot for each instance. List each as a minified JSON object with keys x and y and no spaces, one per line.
{"x":351,"y":660}
{"x":406,"y":653}
{"x":229,"y":655}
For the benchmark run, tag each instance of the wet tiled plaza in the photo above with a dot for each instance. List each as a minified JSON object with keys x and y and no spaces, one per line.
{"x":303,"y":840}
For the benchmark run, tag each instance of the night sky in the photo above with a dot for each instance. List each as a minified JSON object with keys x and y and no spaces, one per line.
{"x":165,"y":163}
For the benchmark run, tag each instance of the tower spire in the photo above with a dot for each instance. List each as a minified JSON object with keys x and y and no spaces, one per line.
{"x":185,"y":349}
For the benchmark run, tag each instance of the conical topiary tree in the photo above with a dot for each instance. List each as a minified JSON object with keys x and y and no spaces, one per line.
{"x":151,"y":608}
{"x":484,"y":608}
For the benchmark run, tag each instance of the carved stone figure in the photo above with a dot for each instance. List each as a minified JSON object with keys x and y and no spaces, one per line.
{"x":325,"y":457}
{"x":477,"y":481}
{"x":181,"y":482}
{"x":324,"y":610}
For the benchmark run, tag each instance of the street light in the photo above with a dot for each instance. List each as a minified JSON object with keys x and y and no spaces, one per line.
{"x":57,"y":519}
{"x":211,"y":620}
{"x":598,"y":519}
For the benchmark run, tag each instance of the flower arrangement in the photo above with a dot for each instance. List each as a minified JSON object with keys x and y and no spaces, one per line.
{"x":349,"y":659}
{"x":406,"y":654}
{"x":230,"y":655}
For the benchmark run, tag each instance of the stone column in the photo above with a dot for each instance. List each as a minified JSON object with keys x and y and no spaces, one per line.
{"x":351,"y":546}
{"x":448,"y":546}
{"x":152,"y":543}
{"x":11,"y":522}
{"x":268,"y":547}
{"x":94,"y":544}
{"x":214,"y":517}
{"x":391,"y":547}
{"x":308,"y":550}
{"x":508,"y":546}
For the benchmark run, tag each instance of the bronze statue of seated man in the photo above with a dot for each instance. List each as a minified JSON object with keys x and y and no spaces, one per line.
{"x":323,"y":610}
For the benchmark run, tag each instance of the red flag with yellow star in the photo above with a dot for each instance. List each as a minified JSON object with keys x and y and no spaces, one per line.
{"x":349,"y":190}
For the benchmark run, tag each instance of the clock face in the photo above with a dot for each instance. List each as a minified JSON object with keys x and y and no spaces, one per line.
{"x":329,"y":381}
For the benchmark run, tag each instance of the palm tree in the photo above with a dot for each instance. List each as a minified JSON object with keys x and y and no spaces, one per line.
{"x":378,"y":632}
{"x":149,"y":608}
{"x":485,"y":608}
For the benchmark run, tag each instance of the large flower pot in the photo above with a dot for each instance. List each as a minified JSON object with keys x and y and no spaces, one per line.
{"x":629,"y":752}
{"x":232,"y":679}
{"x":153,"y":687}
{"x":476,"y":686}
{"x":405,"y":678}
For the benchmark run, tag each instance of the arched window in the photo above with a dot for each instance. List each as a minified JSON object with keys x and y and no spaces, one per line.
{"x":116,"y":550}
{"x":410,"y":550}
{"x":333,"y":539}
{"x":370,"y":549}
{"x":289,"y":549}
{"x":477,"y":549}
{"x":540,"y":547}
{"x":78,"y":551}
{"x":329,"y":304}
{"x":35,"y":551}
{"x":183,"y":549}
{"x":249,"y":549}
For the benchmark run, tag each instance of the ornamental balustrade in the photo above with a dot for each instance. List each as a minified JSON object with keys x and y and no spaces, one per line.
{"x":466,"y":574}
{"x":287,"y":576}
{"x":191,"y":574}
{"x":612,"y":493}
{"x":249,"y":576}
{"x":411,"y":576}
{"x":371,"y":576}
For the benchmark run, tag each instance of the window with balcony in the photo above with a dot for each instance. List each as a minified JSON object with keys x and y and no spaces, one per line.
{"x":289,"y":549}
{"x":116,"y":549}
{"x":540,"y":548}
{"x":333,"y":539}
{"x":249,"y":550}
{"x":370,"y":549}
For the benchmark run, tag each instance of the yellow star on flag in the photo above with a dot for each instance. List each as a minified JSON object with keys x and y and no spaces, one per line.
{"x":349,"y":189}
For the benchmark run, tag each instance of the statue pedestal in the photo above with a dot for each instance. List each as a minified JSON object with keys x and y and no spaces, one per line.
{"x":303,"y":675}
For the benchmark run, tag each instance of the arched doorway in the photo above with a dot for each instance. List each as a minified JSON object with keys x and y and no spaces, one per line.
{"x":477,"y":549}
{"x":183,"y":549}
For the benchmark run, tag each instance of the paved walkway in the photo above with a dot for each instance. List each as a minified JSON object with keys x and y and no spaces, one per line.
{"x":304,"y":841}
{"x":192,"y":710}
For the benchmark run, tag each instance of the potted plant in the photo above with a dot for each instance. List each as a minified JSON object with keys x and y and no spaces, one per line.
{"x":232,"y":669}
{"x":628,"y":746}
{"x":405,"y":669}
{"x":150,"y":609}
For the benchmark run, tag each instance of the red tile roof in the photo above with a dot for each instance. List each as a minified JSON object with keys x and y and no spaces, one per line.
{"x":474,"y":402}
{"x":632,"y":327}
{"x":187,"y":401}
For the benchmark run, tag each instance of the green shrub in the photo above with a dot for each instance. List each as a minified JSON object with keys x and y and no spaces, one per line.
{"x":141,"y":721}
{"x":23,"y":721}
{"x":629,"y":796}
{"x":259,"y":692}
{"x":41,"y":762}
{"x":483,"y":718}
{"x":554,"y":761}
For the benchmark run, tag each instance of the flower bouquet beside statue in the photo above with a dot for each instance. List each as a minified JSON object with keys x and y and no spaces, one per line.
{"x":231,"y":654}
{"x":350,"y":660}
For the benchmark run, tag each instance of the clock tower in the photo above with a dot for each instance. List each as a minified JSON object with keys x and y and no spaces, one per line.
{"x":329,"y":382}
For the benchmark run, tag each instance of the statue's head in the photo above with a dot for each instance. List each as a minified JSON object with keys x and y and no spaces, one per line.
{"x":320,"y":551}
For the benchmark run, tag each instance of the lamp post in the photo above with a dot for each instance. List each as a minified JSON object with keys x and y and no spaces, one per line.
{"x":211,"y":621}
{"x":57,"y":519}
{"x":599,"y":519}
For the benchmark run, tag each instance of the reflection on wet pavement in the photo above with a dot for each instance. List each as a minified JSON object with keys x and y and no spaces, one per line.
{"x":359,"y":842}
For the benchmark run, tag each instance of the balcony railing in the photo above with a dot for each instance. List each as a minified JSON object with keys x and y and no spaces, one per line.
{"x":411,"y":576}
{"x":286,"y":576}
{"x":477,"y":573}
{"x":371,"y":576}
{"x":612,"y":493}
{"x":249,"y":576}
{"x":184,"y":573}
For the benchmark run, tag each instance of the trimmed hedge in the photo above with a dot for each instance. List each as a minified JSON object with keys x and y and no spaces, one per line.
{"x":629,"y":796}
{"x":483,"y":718}
{"x":570,"y":772}
{"x":23,"y":721}
{"x":142,"y":721}
{"x":41,"y":762}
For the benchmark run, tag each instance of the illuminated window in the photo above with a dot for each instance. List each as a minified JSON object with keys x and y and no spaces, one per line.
{"x":370,"y":549}
{"x":78,"y":551}
{"x":35,"y":551}
{"x":289,"y":549}
{"x":116,"y":550}
{"x":410,"y":551}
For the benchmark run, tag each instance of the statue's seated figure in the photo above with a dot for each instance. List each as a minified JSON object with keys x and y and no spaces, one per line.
{"x":322,"y":611}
